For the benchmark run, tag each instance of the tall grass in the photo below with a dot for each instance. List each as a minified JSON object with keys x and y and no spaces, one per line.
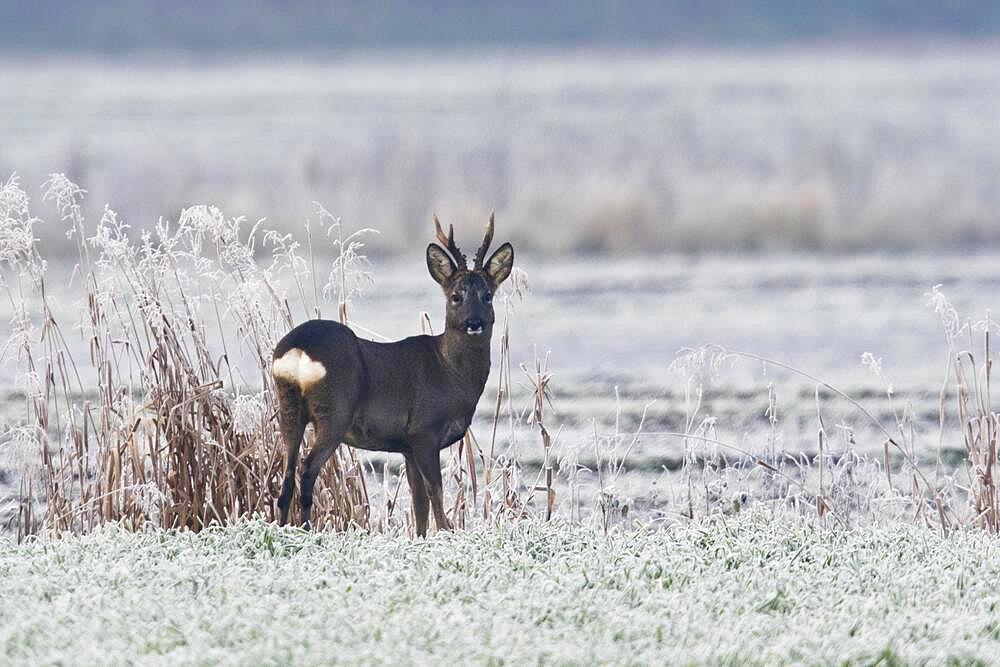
{"x":168,"y":416}
{"x":977,"y":418}
{"x":156,"y":405}
{"x":865,"y":488}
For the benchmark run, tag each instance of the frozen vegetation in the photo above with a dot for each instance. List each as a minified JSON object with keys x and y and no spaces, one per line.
{"x":751,"y":588}
{"x":178,"y":430}
{"x":617,"y":152}
{"x":815,"y":487}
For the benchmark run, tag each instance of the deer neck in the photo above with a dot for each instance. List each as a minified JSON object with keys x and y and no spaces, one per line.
{"x":467,"y":358}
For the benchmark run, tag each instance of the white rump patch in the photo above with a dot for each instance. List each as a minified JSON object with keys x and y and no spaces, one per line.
{"x":296,"y":366}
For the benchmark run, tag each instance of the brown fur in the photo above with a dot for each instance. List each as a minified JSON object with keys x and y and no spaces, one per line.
{"x":415,"y":396}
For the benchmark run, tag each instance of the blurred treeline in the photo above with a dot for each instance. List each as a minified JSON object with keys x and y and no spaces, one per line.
{"x":239,"y":26}
{"x":591,"y":126}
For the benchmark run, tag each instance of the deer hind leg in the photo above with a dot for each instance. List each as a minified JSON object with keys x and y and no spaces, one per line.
{"x":292,"y":420}
{"x":418,"y":492}
{"x":329,"y":434}
{"x":429,"y":462}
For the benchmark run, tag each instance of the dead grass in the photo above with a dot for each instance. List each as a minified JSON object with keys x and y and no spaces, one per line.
{"x":157,"y":405}
{"x":158,"y":422}
{"x":169,"y":416}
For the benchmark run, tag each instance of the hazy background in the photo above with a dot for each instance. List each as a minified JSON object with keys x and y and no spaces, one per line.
{"x":595,"y":127}
{"x":786,"y":178}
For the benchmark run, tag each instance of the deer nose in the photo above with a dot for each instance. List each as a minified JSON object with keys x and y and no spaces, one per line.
{"x":473,"y":326}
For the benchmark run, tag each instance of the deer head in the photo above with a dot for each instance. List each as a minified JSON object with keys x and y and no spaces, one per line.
{"x":469,"y":292}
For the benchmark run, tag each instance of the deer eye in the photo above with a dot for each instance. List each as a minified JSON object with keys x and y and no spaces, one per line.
{"x":456,"y":298}
{"x":487,"y":298}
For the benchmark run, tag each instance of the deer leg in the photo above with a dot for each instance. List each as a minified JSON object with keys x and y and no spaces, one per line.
{"x":292,"y":424}
{"x":418,"y":493}
{"x":429,"y":462}
{"x":328,"y":438}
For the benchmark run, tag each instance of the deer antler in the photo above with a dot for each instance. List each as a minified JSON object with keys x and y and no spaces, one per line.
{"x":449,"y":244}
{"x":484,"y":248}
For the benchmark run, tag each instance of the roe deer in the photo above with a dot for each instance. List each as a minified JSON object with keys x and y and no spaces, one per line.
{"x":416,"y":396}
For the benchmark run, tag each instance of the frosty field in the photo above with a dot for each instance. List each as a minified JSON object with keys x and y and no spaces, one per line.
{"x":743,"y":363}
{"x":740,"y":408}
{"x":823,"y":194}
{"x":754,"y":588}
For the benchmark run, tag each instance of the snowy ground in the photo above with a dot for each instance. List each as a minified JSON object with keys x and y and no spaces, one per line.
{"x":746,"y":589}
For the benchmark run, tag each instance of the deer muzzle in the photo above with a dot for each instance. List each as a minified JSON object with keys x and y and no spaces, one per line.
{"x":474,"y":327}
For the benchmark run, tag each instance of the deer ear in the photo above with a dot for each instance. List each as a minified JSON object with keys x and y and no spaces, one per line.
{"x":440,"y":264}
{"x":500,"y":264}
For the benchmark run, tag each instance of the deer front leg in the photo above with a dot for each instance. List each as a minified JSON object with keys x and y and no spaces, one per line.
{"x":429,"y":462}
{"x":418,"y":494}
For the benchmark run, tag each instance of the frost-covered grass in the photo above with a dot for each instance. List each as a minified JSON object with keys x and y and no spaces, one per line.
{"x":750,"y":588}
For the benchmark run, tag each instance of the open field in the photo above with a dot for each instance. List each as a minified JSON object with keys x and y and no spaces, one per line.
{"x":740,"y":408}
{"x":709,"y":506}
{"x":754,"y":588}
{"x":618,"y":152}
{"x":765,"y":162}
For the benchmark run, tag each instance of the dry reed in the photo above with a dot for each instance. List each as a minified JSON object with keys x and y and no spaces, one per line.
{"x":157,"y":407}
{"x":168,"y":418}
